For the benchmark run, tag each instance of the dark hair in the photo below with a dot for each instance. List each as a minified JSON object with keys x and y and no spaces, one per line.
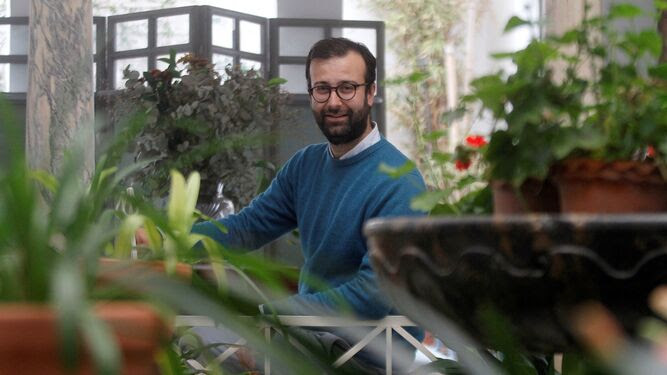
{"x":338,"y":47}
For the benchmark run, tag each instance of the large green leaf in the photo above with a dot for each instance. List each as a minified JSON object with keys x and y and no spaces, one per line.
{"x":426,"y":201}
{"x":397,"y":172}
{"x":515,"y":22}
{"x":659,"y":71}
{"x":624,"y":10}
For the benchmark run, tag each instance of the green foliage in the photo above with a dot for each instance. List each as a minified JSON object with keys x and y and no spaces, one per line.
{"x":51,"y":244}
{"x":397,"y":172}
{"x":512,"y":357}
{"x":515,"y":22}
{"x":196,"y":121}
{"x":579,"y":94}
{"x":419,"y":29}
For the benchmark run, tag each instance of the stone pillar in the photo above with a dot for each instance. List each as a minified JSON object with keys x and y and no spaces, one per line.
{"x":60,"y":97}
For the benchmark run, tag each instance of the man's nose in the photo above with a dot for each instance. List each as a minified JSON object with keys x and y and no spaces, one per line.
{"x":334,"y":100}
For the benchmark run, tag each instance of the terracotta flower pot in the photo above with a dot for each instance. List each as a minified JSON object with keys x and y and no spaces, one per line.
{"x":29,"y":342}
{"x":111,"y":268}
{"x":594,"y":186}
{"x":536,"y":196}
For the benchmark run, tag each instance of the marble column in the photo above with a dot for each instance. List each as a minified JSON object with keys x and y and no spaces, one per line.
{"x":60,"y":101}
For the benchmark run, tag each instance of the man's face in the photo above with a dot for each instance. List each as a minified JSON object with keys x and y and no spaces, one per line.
{"x":341,"y":121}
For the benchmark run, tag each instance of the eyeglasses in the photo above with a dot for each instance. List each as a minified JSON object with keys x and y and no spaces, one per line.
{"x":345,"y":91}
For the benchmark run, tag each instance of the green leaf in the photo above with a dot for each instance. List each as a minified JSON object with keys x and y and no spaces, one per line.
{"x":499,"y":331}
{"x":441,"y":157}
{"x":426,"y":201}
{"x":414,"y":77}
{"x":154,"y":236}
{"x":568,"y":37}
{"x":215,"y":257}
{"x":659,"y":71}
{"x":68,"y":296}
{"x":647,"y":40}
{"x":397,"y":172}
{"x":101,"y":342}
{"x":599,"y":51}
{"x":576,"y":364}
{"x":515,"y":22}
{"x":451,"y":116}
{"x":624,"y":11}
{"x":418,"y":76}
{"x":503,"y":55}
{"x":277,"y":81}
{"x":182,"y":201}
{"x":661,"y":4}
{"x":46,"y":179}
{"x":434,"y":135}
{"x":491,"y":90}
{"x":125,"y":237}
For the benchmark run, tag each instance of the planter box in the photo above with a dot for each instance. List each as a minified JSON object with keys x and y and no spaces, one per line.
{"x":29,"y":342}
{"x":594,"y":186}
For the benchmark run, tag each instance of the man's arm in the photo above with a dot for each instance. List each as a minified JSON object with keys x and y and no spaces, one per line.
{"x":360,"y":296}
{"x":270,"y":215}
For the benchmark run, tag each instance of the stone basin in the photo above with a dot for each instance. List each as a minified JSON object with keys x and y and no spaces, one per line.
{"x":532,"y":269}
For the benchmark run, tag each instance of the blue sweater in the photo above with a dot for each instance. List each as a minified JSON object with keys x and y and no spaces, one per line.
{"x":328,"y":200}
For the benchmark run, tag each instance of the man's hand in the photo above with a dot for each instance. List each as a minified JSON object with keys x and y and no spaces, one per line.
{"x":246,"y":359}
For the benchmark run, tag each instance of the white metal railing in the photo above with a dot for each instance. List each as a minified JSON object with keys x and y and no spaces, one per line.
{"x":388,"y":324}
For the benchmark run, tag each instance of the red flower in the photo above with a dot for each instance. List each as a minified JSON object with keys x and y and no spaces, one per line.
{"x":650,"y":151}
{"x":475,"y":141}
{"x":462,"y":165}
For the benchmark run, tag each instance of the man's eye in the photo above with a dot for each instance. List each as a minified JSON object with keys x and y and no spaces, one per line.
{"x":322,"y":89}
{"x":346,"y":88}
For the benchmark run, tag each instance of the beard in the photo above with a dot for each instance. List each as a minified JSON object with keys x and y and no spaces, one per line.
{"x":346,"y":132}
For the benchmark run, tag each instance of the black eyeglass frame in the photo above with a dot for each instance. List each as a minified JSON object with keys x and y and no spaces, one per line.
{"x":335,"y":88}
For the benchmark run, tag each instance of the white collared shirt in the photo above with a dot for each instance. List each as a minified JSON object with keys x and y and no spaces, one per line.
{"x":372,"y":138}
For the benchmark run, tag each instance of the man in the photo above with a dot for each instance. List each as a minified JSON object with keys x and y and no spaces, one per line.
{"x":329,"y":190}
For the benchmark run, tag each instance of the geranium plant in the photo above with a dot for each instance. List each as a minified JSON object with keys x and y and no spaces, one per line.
{"x":198,"y":120}
{"x":592,"y":92}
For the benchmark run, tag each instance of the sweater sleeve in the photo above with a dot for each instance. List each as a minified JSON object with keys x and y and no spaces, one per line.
{"x":361,"y":294}
{"x":270,"y":215}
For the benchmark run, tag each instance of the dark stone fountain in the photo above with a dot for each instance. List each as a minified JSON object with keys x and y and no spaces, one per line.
{"x":533,"y":269}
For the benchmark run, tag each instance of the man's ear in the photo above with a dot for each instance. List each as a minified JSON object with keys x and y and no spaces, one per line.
{"x":370,"y":94}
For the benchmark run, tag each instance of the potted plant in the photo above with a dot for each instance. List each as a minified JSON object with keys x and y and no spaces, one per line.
{"x":582,"y":110}
{"x":49,"y":245}
{"x":199,"y":120}
{"x":60,"y":312}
